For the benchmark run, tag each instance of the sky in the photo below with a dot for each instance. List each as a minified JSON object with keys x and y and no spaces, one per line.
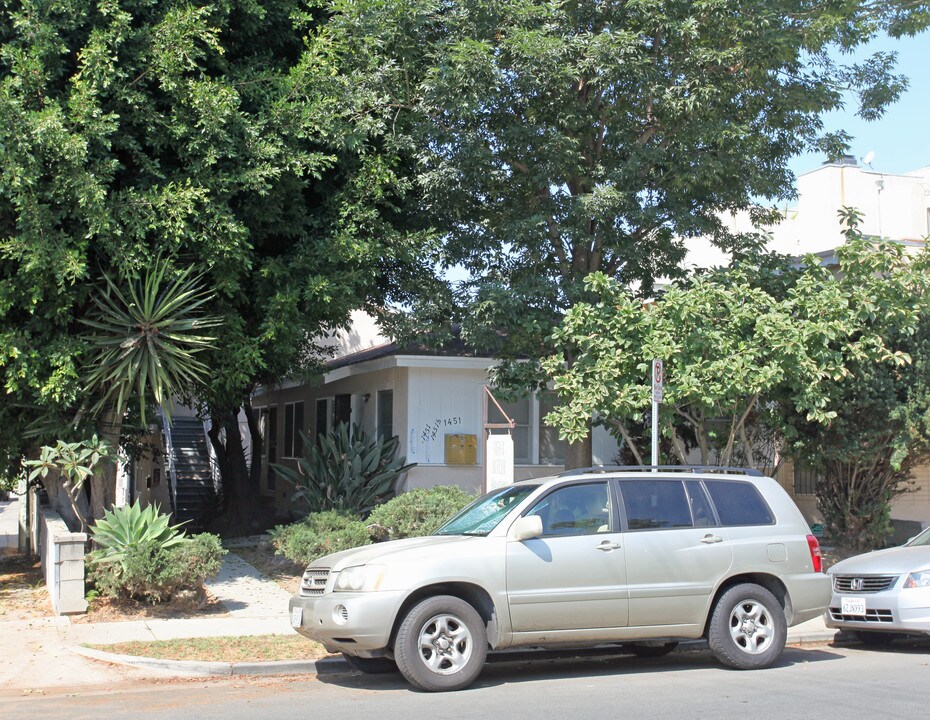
{"x":901,"y":138}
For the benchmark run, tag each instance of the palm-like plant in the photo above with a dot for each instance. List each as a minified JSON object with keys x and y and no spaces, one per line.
{"x":145,"y":335}
{"x":145,"y":338}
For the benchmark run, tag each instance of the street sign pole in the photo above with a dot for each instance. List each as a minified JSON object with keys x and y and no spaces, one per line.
{"x":656,"y":400}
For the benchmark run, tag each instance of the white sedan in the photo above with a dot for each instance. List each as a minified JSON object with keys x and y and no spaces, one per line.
{"x":885,"y":594}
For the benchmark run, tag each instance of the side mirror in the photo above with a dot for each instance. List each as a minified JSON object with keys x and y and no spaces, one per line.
{"x":526,"y":528}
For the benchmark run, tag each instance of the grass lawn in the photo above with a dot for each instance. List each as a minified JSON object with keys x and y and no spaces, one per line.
{"x":257,"y":648}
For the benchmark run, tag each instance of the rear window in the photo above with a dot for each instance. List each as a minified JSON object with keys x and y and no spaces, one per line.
{"x":739,"y":503}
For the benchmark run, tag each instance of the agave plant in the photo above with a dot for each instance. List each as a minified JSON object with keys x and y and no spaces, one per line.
{"x":348,"y":471}
{"x":124,"y":528}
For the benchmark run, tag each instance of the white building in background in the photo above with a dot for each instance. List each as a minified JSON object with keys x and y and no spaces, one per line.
{"x":896,"y":207}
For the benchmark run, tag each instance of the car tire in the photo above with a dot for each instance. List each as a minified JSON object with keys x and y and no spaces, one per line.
{"x":651,"y":650}
{"x":441,"y":644}
{"x":747,"y":628}
{"x":874,"y":638}
{"x":371,"y":666}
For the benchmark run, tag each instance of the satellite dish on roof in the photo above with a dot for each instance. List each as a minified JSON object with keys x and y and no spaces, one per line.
{"x":869,"y":157}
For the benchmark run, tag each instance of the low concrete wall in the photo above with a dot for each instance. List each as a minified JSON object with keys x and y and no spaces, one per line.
{"x":62,"y":555}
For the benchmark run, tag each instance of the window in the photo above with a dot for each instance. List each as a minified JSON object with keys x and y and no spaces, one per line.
{"x":293,"y":426}
{"x":551,"y":448}
{"x":739,"y":503}
{"x":322,"y":417}
{"x":575,"y":510}
{"x":385,"y":428}
{"x":519,"y":412}
{"x":655,"y":504}
{"x":342,"y":409}
{"x":701,"y":511}
{"x":269,"y":430}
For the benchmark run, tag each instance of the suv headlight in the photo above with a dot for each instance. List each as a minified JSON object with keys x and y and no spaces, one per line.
{"x":919,"y":579}
{"x":359,"y":578}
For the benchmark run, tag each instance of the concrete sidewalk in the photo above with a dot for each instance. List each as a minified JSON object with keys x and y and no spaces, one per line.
{"x":43,"y":649}
{"x":46,"y":652}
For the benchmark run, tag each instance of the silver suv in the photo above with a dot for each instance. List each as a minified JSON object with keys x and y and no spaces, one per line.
{"x":643,"y":557}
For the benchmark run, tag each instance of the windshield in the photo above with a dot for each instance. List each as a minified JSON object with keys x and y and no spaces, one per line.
{"x":922,"y":539}
{"x":483,"y":515}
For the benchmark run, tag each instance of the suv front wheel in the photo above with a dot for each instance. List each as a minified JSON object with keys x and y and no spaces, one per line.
{"x":747,"y":628}
{"x":441,"y":644}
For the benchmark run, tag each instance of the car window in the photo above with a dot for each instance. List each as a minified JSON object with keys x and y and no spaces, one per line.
{"x":575,"y":510}
{"x":701,"y":511}
{"x":922,"y":539}
{"x":655,"y":504}
{"x":738,"y":503}
{"x":484,"y":514}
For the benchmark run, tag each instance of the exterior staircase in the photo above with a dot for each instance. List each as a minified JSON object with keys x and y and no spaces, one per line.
{"x":194,"y":492}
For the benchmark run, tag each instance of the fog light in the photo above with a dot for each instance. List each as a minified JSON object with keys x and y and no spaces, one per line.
{"x":340,"y":615}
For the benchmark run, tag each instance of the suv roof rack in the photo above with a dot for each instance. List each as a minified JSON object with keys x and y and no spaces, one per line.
{"x":664,"y":468}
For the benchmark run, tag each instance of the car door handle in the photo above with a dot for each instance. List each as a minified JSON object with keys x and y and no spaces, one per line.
{"x":606,"y":546}
{"x":710,"y":539}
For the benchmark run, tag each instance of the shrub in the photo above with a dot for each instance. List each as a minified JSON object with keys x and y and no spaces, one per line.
{"x":417,"y":512}
{"x":150,"y":572}
{"x":349,"y":471}
{"x":319,"y":534}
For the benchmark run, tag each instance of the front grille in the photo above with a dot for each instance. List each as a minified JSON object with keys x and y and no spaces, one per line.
{"x":871,"y":616}
{"x":863,"y":583}
{"x":314,"y":581}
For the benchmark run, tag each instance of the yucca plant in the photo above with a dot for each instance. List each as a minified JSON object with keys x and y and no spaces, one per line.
{"x":146,"y":333}
{"x":122,"y":529}
{"x":348,"y":471}
{"x":145,"y":338}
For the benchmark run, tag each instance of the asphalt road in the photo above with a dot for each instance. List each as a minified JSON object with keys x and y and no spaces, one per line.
{"x":821,"y":681}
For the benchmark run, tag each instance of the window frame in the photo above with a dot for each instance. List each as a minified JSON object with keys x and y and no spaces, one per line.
{"x":290,"y":410}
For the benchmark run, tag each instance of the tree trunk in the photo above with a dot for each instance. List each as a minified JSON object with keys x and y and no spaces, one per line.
{"x":245,"y":511}
{"x":103,"y":482}
{"x":579,"y":454}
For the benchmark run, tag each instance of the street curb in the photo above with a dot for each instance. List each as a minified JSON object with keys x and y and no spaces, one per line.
{"x":193,"y":668}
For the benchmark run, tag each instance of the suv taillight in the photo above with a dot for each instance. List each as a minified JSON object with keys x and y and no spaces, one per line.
{"x":816,"y":556}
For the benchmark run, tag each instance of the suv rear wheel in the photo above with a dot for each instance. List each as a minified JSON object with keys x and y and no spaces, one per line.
{"x":441,"y":644}
{"x":747,"y":627}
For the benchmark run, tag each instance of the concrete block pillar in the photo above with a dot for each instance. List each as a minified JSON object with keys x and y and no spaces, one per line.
{"x":63,"y":564}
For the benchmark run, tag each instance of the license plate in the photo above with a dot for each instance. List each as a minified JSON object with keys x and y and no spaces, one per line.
{"x":297,"y":616}
{"x":853,"y":606}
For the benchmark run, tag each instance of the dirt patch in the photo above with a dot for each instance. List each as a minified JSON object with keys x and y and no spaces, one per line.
{"x":261,"y":556}
{"x":832,"y":554}
{"x":257,"y":648}
{"x":23,"y":595}
{"x":187,"y":605}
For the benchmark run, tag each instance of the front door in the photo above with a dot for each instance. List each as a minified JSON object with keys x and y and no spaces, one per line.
{"x":574,"y":576}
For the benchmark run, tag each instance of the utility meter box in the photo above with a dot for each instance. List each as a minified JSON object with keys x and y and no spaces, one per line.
{"x":461,"y":449}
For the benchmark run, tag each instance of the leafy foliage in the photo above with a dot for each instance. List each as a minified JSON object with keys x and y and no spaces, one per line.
{"x":123,"y":529}
{"x":319,"y":534}
{"x":832,"y":358}
{"x":73,"y":462}
{"x":151,"y":572}
{"x":219,"y":137}
{"x":417,"y":512}
{"x":347,"y":471}
{"x":560,"y":139}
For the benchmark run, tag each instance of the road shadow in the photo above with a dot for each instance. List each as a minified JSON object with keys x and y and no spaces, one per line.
{"x":509,"y":669}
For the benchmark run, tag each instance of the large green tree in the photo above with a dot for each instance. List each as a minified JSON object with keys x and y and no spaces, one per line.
{"x":834,"y":359}
{"x":561,"y":138}
{"x":218,"y":135}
